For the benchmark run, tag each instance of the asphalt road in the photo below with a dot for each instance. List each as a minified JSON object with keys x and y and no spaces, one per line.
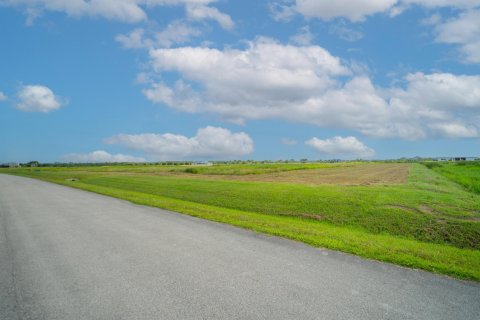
{"x":70,"y":254}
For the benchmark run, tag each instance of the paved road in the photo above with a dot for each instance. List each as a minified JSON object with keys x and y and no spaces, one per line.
{"x":69,"y":254}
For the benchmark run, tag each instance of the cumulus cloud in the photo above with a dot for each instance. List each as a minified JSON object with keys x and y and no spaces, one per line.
{"x":441,"y":91}
{"x":38,"y":98}
{"x":129,"y":11}
{"x":99,"y":156}
{"x":307,"y":84}
{"x":208,"y":143}
{"x":341,"y":147}
{"x":238,"y":80}
{"x":3,"y":97}
{"x":463,"y":30}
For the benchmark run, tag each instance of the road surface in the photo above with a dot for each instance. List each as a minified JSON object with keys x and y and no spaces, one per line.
{"x":70,"y":254}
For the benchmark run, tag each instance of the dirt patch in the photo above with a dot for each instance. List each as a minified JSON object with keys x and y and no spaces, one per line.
{"x":361,"y":174}
{"x":427,"y":209}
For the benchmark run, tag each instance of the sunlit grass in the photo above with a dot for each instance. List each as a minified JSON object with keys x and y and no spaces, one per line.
{"x":465,"y":173}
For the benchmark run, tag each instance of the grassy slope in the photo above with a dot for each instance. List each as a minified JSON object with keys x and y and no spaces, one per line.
{"x":466,"y":174}
{"x":426,"y":224}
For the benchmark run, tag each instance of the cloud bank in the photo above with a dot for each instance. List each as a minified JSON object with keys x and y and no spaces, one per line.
{"x":209,"y":143}
{"x":307,"y":84}
{"x":99,"y":156}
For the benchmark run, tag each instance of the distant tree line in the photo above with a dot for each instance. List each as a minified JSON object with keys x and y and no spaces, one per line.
{"x":32,"y":164}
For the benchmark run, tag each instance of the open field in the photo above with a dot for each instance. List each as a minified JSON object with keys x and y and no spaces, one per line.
{"x":401,"y":213}
{"x":347,"y":174}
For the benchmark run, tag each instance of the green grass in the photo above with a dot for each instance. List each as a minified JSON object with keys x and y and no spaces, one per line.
{"x":230,"y":169}
{"x":465,"y":173}
{"x":430,"y":223}
{"x":246,"y":169}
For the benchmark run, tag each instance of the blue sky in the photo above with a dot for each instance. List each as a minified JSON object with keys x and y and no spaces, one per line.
{"x":134,"y":80}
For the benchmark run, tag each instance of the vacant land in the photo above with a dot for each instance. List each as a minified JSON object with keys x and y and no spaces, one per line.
{"x":350,"y":174}
{"x":401,"y":213}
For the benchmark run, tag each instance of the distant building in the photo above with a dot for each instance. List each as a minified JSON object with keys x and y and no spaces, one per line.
{"x":201,"y":163}
{"x":456,"y":159}
{"x":13,"y":165}
{"x":33,"y":164}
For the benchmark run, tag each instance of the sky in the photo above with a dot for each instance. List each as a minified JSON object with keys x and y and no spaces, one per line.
{"x":155,"y":80}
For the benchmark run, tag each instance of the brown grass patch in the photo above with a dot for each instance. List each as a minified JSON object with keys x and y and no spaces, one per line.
{"x":359,"y":174}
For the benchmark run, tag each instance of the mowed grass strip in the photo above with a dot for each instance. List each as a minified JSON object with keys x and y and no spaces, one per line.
{"x":429,"y":223}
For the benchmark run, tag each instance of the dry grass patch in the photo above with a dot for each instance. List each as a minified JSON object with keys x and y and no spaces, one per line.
{"x":358,"y":174}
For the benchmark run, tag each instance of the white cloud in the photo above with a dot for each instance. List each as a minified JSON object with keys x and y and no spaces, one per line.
{"x":461,"y":4}
{"x":358,"y":10}
{"x":3,"y":97}
{"x":463,"y":30}
{"x":265,"y":73}
{"x":456,"y":130}
{"x":208,"y":143}
{"x":306,"y":84}
{"x":121,"y":10}
{"x":203,"y":12}
{"x":99,"y":156}
{"x":341,"y":147}
{"x":134,"y":40}
{"x":38,"y":98}
{"x":282,"y":10}
{"x":353,"y":10}
{"x":176,"y":32}
{"x":130,"y":11}
{"x":441,"y":91}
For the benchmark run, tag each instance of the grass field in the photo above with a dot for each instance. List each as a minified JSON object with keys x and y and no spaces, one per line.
{"x":406,"y":214}
{"x":465,"y":173}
